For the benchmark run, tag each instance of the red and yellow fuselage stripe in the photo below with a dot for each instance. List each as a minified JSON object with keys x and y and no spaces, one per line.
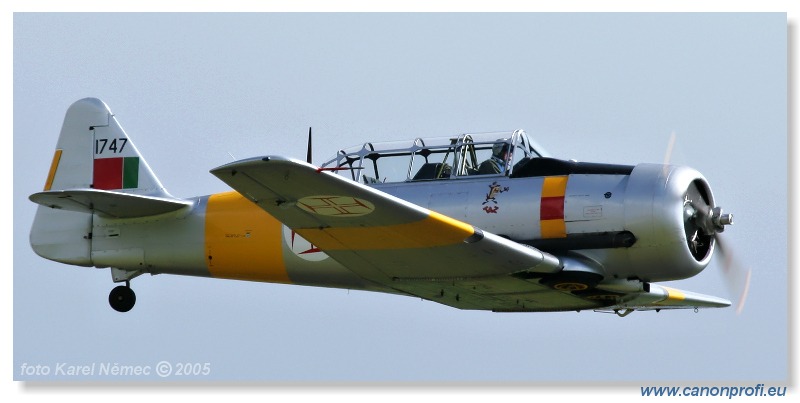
{"x":551,"y":210}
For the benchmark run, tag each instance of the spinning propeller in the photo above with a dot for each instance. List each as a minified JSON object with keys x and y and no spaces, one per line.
{"x":704,"y":224}
{"x":737,"y":277}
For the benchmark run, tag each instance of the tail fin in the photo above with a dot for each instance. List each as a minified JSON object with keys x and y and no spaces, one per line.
{"x":93,"y":154}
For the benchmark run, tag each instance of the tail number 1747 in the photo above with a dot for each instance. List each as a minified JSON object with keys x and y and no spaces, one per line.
{"x":114,"y":146}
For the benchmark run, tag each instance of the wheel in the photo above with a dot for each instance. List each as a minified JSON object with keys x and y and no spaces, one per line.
{"x":122,"y":298}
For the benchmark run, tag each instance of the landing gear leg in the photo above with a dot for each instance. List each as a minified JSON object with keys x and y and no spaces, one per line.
{"x":122,"y":298}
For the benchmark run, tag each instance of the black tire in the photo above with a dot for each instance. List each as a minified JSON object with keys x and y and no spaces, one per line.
{"x":122,"y":298}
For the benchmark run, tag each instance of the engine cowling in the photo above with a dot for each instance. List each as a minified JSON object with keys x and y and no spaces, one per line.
{"x":671,"y":211}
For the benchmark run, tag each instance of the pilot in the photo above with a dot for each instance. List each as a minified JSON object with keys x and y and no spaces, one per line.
{"x":497,"y":163}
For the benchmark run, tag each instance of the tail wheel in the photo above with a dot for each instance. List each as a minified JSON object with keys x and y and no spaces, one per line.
{"x":122,"y":298}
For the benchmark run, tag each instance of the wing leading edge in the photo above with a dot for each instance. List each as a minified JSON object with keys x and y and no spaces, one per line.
{"x":415,"y":251}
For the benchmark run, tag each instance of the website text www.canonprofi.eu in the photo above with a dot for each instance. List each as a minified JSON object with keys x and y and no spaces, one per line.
{"x":758,"y":390}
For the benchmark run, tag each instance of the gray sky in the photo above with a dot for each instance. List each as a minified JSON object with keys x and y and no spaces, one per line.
{"x":190,"y":89}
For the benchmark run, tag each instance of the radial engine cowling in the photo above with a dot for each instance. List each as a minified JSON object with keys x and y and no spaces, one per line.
{"x":671,"y":211}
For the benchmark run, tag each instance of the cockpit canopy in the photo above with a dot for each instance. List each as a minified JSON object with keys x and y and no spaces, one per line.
{"x":437,"y":158}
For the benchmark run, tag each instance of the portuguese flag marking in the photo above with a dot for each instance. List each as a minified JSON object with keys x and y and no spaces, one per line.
{"x":116,"y":173}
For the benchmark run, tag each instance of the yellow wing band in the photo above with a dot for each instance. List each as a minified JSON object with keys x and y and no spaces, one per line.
{"x":434,"y":230}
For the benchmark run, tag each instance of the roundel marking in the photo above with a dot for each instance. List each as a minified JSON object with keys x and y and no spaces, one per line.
{"x":301,"y":248}
{"x":336,"y":206}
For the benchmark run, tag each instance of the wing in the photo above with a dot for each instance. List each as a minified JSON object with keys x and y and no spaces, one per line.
{"x":400,"y":246}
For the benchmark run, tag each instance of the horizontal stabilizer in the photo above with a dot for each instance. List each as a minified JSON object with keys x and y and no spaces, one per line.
{"x":108,"y":203}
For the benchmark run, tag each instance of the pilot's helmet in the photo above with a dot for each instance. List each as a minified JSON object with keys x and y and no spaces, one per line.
{"x":500,"y":147}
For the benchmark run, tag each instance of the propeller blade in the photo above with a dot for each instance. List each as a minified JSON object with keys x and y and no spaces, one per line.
{"x":668,"y":153}
{"x":736,"y":276}
{"x":308,"y":154}
{"x":670,"y":146}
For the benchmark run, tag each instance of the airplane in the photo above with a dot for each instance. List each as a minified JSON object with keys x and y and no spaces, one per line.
{"x":478,"y":221}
